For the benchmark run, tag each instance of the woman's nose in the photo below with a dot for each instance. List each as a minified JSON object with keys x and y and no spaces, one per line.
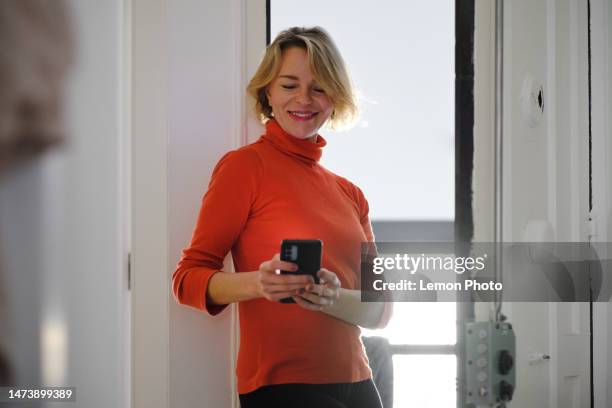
{"x":304,"y":97}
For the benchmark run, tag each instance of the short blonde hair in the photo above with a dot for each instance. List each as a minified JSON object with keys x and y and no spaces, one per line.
{"x":327,"y":67}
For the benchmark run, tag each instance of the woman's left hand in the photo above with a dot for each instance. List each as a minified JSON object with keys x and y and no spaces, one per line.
{"x":315,"y":297}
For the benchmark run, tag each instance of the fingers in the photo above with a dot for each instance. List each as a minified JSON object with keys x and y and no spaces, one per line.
{"x":319,"y":296}
{"x":306,"y":304}
{"x":275,"y":291}
{"x":328,"y":277}
{"x":275,"y":287}
{"x":316,"y":299}
{"x":302,"y":288}
{"x":276,"y":297}
{"x":298,"y":281}
{"x":284,"y":287}
{"x":321,"y":290}
{"x":275,"y":263}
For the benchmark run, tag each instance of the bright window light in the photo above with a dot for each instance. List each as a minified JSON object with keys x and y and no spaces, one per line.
{"x":420,"y":323}
{"x":425,"y":381}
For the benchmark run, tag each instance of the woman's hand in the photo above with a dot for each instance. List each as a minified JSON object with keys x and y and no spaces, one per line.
{"x":317,"y":297}
{"x":273,"y":286}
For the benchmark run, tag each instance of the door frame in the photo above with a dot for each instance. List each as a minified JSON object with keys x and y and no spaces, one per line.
{"x":600,"y":16}
{"x":149,"y":261}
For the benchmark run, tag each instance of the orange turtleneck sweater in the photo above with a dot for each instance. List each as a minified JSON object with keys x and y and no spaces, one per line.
{"x":260,"y":194}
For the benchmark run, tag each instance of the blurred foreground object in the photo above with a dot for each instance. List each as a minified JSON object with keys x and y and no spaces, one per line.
{"x":36,"y":49}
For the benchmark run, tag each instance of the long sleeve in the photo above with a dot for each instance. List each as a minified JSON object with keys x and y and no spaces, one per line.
{"x":223,"y":214}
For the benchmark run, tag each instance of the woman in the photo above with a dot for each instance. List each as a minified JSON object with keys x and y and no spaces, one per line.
{"x":308,"y":353}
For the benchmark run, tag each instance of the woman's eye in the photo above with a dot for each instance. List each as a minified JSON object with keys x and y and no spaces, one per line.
{"x":288,"y":86}
{"x":320,"y":90}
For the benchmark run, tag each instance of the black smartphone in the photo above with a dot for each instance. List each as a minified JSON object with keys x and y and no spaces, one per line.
{"x":306,"y":253}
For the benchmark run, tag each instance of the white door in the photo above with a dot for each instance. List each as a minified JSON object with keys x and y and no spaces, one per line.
{"x":545,"y":185}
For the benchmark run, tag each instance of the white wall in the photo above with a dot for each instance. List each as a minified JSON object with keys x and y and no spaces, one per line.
{"x":64,"y":231}
{"x":189,"y":74}
{"x":204,"y":105}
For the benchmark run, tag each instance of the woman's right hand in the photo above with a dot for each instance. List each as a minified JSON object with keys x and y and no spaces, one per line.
{"x":274,"y":286}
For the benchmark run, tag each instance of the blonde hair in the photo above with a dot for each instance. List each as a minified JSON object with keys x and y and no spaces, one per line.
{"x":327,"y":67}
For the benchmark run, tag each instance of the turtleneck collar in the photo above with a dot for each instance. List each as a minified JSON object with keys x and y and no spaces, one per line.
{"x":302,"y":149}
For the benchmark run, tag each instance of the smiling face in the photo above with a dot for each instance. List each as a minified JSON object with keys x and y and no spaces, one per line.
{"x":299,"y":104}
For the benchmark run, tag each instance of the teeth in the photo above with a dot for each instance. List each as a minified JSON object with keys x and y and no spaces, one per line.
{"x":303,"y":115}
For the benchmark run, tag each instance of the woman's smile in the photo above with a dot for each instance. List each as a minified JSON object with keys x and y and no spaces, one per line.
{"x":301,"y":115}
